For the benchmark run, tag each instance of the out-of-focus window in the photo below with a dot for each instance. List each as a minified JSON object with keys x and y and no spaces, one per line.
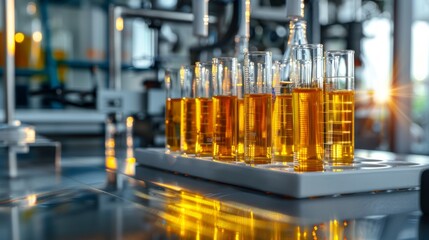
{"x":420,"y":77}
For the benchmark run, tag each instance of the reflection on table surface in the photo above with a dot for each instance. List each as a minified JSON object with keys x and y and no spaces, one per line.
{"x":108,"y":197}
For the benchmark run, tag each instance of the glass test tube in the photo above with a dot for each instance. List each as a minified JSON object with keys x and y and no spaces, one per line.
{"x":282,"y":114}
{"x":225,"y":109}
{"x":339,"y":107}
{"x":172,"y":110}
{"x":240,"y":113}
{"x":257,"y":107}
{"x":307,"y":101}
{"x":188,"y":130}
{"x":204,"y":111}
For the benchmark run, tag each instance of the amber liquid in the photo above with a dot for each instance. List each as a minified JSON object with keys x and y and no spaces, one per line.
{"x":339,"y":127}
{"x":204,"y":127}
{"x":257,"y":137}
{"x":188,"y":128}
{"x":308,"y":129}
{"x":283,"y":128}
{"x":172,"y":124}
{"x":225,"y":128}
{"x":240,"y":139}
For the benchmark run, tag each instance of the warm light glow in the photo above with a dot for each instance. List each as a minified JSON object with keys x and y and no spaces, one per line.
{"x":37,"y":36}
{"x":19,"y":37}
{"x":31,"y":8}
{"x":10,"y":12}
{"x":111,"y":163}
{"x":382,"y":95}
{"x":110,"y":143}
{"x":130,"y":121}
{"x":119,"y":24}
{"x":130,"y":166}
{"x":32,"y":200}
{"x":298,"y":233}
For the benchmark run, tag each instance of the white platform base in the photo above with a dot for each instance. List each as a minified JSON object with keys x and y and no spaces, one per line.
{"x":367,"y":175}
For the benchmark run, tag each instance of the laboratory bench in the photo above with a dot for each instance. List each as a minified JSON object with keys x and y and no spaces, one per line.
{"x":99,"y":192}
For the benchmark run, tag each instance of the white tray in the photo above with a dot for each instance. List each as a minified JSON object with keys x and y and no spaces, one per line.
{"x":367,"y":175}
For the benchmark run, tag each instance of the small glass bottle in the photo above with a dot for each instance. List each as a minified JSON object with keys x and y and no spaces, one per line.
{"x":297,"y":36}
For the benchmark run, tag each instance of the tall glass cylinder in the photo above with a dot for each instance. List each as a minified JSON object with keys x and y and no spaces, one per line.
{"x":172,"y":110}
{"x":240,"y":112}
{"x":307,"y":104}
{"x":204,"y":111}
{"x":188,"y":129}
{"x":339,"y":107}
{"x":225,"y":124}
{"x":282,"y":114}
{"x":257,"y":107}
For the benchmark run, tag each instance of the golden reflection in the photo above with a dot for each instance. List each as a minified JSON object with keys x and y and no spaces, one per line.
{"x":130,"y":161}
{"x":189,"y":215}
{"x":110,"y":159}
{"x":193,"y":216}
{"x":298,"y":233}
{"x":32,"y":200}
{"x":336,"y":230}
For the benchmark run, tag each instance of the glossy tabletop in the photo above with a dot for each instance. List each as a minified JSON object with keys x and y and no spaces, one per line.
{"x":98,"y":193}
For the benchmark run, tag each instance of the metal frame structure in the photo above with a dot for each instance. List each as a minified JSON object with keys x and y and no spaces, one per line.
{"x":116,"y":12}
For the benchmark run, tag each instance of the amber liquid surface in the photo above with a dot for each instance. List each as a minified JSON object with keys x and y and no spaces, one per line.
{"x":257,"y":136}
{"x":172,"y":124}
{"x":339,"y":127}
{"x":225,"y":128}
{"x":308,"y":129}
{"x":204,"y":127}
{"x":188,"y":128}
{"x":283,"y":128}
{"x":240,"y":139}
